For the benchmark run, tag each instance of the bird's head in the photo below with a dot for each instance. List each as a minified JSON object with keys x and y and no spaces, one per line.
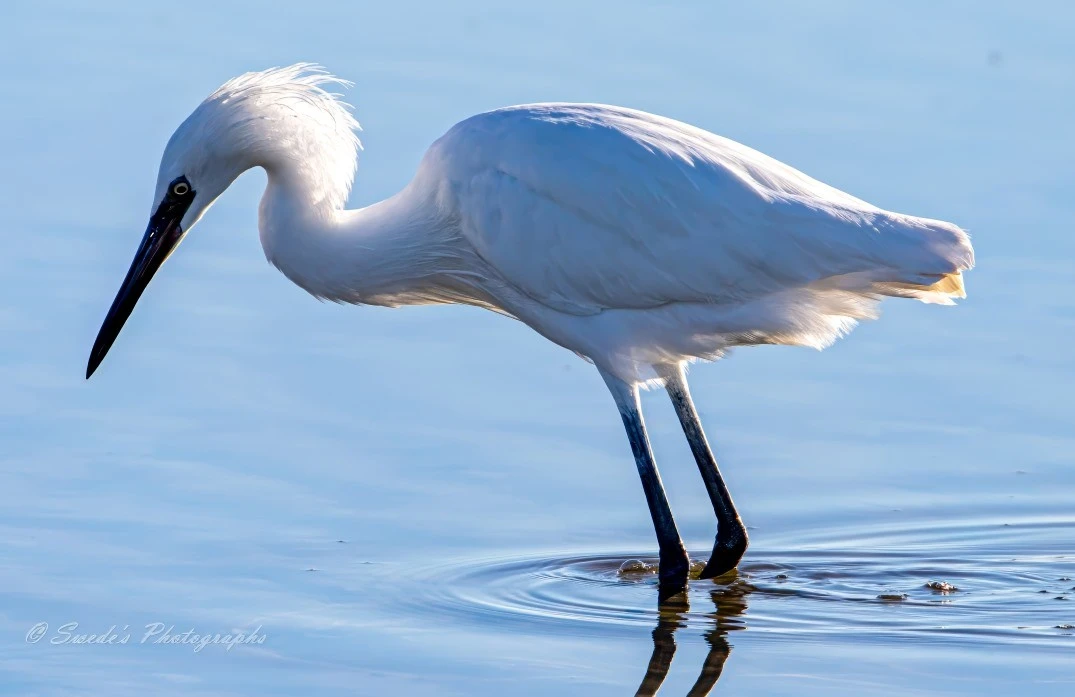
{"x":280,"y":119}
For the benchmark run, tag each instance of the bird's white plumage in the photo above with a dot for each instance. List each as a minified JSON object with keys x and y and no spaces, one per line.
{"x":632,"y":239}
{"x":283,"y":118}
{"x":627,"y":210}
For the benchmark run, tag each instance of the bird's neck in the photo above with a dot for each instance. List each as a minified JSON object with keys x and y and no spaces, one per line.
{"x":395,"y":252}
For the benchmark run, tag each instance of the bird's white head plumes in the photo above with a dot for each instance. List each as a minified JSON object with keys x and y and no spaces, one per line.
{"x":281,"y":119}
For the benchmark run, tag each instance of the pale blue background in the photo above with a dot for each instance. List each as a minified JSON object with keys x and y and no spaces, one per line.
{"x":239,"y":428}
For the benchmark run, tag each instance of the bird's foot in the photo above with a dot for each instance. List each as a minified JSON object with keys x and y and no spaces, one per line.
{"x":672,"y":573}
{"x":728,"y":550}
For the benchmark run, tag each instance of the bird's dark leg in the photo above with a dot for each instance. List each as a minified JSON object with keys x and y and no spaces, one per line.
{"x":674,"y":563}
{"x":731,"y":541}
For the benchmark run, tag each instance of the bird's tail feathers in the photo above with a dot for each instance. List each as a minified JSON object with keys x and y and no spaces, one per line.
{"x":938,"y":289}
{"x":943,"y":291}
{"x":917,"y":258}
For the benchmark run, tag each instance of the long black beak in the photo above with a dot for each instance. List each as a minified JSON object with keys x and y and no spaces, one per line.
{"x":162,"y":236}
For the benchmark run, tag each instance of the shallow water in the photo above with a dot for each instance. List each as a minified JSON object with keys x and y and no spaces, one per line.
{"x":964,"y":583}
{"x":435,"y":501}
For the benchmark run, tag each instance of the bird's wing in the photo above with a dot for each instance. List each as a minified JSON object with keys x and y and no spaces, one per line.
{"x":588,"y":207}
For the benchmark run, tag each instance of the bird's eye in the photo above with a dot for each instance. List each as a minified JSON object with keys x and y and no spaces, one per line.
{"x":180,"y":188}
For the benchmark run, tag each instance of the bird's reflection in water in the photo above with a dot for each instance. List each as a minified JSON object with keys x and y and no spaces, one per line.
{"x":730,"y":602}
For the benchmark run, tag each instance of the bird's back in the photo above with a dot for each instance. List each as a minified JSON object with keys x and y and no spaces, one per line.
{"x":588,"y":207}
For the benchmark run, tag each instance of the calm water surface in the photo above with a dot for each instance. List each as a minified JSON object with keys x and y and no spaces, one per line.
{"x":435,"y":501}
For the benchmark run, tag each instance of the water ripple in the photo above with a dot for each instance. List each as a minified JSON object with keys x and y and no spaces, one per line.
{"x":954,"y":583}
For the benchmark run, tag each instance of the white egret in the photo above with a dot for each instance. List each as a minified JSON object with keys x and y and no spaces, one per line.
{"x":636,"y":241}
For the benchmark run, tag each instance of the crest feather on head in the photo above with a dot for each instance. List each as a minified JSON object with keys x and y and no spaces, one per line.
{"x":279,"y":113}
